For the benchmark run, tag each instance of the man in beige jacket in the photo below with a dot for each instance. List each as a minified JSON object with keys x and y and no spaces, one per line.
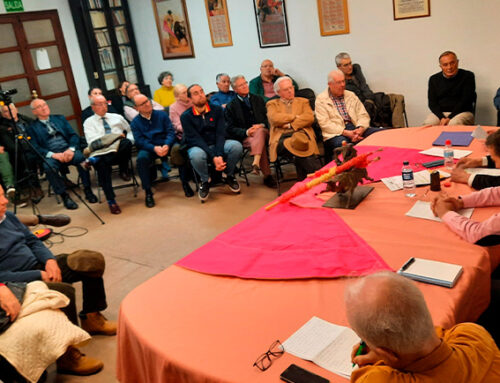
{"x":341,"y":115}
{"x":291,"y":133}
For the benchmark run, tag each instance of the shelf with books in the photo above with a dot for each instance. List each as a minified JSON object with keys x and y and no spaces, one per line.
{"x":94,"y":4}
{"x":114,"y":3}
{"x":98,"y":19}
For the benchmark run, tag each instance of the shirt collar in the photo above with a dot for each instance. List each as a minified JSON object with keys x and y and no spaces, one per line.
{"x":243,"y":98}
{"x":286,"y":102}
{"x":196,"y":113}
{"x":3,"y":218}
{"x":340,"y":98}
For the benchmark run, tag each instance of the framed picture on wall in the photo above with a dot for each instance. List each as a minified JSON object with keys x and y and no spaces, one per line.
{"x":173,"y":28}
{"x":333,"y":17}
{"x":218,"y":22}
{"x":409,"y":9}
{"x":272,"y":26}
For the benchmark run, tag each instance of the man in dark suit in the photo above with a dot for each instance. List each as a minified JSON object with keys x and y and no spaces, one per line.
{"x":54,"y":138}
{"x":246,"y":121}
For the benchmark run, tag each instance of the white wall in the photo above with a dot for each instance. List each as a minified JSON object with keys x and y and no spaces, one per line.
{"x":75,"y":56}
{"x":396,"y":56}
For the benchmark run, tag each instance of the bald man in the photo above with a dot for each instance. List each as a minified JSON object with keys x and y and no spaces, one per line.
{"x":263,"y":85}
{"x":389,"y":313}
{"x":341,"y":115}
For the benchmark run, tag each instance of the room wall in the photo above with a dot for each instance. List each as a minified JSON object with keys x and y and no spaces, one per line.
{"x":396,"y":56}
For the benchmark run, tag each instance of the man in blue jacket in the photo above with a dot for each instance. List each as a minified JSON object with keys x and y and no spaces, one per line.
{"x":205,"y":136}
{"x":154,"y":137}
{"x":54,"y":138}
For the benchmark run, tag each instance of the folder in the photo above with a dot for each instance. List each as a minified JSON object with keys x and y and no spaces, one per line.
{"x":433,"y":272}
{"x":456,"y":138}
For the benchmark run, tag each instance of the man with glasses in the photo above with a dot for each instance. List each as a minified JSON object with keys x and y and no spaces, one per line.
{"x":354,"y":79}
{"x":154,"y":137}
{"x":246,"y":121}
{"x":129,"y":108}
{"x":117,"y":151}
{"x":54,"y":138}
{"x":88,"y":111}
{"x":451,"y":94}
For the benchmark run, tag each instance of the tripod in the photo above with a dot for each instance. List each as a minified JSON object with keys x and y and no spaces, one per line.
{"x":21,"y":137}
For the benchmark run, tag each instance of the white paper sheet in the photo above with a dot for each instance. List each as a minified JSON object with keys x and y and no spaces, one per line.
{"x":422,"y":178}
{"x":422,"y":209}
{"x":479,"y":133}
{"x":42,"y":59}
{"x":324,"y":343}
{"x":438,"y":152}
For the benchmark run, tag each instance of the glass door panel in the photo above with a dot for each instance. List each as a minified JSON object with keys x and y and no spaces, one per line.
{"x":111,"y":80}
{"x":7,"y":36}
{"x":61,"y":105}
{"x":46,"y":57}
{"x":11,"y":64}
{"x":23,"y":89}
{"x":38,"y":31}
{"x":51,"y":83}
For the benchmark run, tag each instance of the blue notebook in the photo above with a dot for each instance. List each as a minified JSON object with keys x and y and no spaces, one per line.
{"x":456,"y":138}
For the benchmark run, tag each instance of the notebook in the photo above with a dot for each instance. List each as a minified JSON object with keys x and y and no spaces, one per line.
{"x":434,"y":272}
{"x":456,"y":138}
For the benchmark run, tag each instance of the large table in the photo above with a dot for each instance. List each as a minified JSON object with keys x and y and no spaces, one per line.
{"x":185,"y":326}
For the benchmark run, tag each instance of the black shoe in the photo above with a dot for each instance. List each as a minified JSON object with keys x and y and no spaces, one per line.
{"x":54,"y":220}
{"x":68,"y":202}
{"x":90,"y":196}
{"x":150,"y":202}
{"x":10,"y":192}
{"x":188,"y":192}
{"x":37,"y":195}
{"x":233,"y":184}
{"x":203,"y":191}
{"x":270,"y":182}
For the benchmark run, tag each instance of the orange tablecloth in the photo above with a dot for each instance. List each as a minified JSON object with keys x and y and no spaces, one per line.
{"x":183,"y":326}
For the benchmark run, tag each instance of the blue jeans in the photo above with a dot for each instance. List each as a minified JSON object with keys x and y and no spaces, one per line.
{"x":199,"y":158}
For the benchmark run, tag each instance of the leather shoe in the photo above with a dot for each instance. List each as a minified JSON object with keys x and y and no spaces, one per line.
{"x":115,"y":209}
{"x":150,"y":202}
{"x":75,"y":363}
{"x":188,"y":192}
{"x":125,"y":176}
{"x":270,"y":182}
{"x":90,"y":196}
{"x":54,"y":220}
{"x":68,"y":202}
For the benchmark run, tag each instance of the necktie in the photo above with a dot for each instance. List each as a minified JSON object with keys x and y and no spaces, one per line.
{"x":50,"y":127}
{"x":246,"y":100}
{"x":107,"y":128}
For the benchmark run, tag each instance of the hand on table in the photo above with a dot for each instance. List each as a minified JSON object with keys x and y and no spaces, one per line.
{"x":465,"y":163}
{"x":459,"y":175}
{"x":440,"y":205}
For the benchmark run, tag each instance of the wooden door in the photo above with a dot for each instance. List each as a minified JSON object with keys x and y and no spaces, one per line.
{"x":33,"y":57}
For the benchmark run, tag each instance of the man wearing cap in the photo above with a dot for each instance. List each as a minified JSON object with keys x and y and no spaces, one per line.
{"x":290,"y":119}
{"x":341,"y":115}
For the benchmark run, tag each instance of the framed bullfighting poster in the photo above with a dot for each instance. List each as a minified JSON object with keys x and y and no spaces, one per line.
{"x":173,"y":28}
{"x":272,"y":26}
{"x":218,"y":22}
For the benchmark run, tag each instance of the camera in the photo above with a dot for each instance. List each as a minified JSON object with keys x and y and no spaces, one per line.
{"x":5,"y":95}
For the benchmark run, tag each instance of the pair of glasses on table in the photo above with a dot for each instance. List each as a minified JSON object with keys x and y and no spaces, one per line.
{"x":264,"y":361}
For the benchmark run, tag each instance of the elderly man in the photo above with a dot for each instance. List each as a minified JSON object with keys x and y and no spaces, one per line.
{"x":341,"y":115}
{"x":154,"y":137}
{"x":263,"y":85}
{"x":88,"y":111}
{"x":118,"y":152}
{"x":27,"y":160}
{"x":452,"y":93}
{"x":291,"y":131}
{"x":246,"y":121}
{"x":54,"y":138}
{"x":205,"y":137}
{"x":389,"y":313}
{"x":129,"y":107}
{"x":224,"y":95}
{"x":354,"y":79}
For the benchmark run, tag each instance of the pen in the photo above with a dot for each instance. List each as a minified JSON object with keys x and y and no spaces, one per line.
{"x":361,"y":347}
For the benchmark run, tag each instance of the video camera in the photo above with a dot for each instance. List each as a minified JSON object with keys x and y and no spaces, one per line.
{"x":5,"y":95}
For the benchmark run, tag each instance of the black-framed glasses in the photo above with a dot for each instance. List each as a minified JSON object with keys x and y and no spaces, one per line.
{"x":264,"y":361}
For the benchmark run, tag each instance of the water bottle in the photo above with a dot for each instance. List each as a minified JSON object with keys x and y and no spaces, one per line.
{"x":408,"y":181}
{"x":448,"y":155}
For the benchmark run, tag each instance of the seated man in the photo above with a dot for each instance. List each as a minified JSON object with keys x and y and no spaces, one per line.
{"x":389,"y":313}
{"x":129,"y":107}
{"x":97,"y":126}
{"x":27,"y":160}
{"x":224,"y":95}
{"x":480,"y":181}
{"x":246,"y":121}
{"x":154,"y":137}
{"x":88,"y":111}
{"x":181,"y":104}
{"x":290,"y":119}
{"x":354,"y":79}
{"x":452,"y":93}
{"x":205,"y":138}
{"x":263,"y":85}
{"x":341,"y":115}
{"x":54,"y":138}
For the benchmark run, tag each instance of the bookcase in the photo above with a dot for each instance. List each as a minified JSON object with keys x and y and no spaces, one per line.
{"x":107,"y":42}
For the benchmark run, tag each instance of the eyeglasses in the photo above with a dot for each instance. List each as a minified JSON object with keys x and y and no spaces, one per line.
{"x":144,"y":103}
{"x":264,"y":361}
{"x":346,"y":64}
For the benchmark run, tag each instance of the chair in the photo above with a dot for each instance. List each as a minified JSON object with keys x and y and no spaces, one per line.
{"x":282,"y":161}
{"x":242,"y":171}
{"x":133,"y":180}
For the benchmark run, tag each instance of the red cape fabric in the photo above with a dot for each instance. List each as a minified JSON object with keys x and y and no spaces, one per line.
{"x":287,"y":242}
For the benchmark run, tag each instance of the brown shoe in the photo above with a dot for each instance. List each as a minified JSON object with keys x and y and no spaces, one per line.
{"x":75,"y":363}
{"x":96,"y":323}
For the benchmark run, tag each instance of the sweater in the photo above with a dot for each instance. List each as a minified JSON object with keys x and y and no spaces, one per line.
{"x":175,"y":111}
{"x":164,"y":96}
{"x":157,"y":131}
{"x":20,"y":252}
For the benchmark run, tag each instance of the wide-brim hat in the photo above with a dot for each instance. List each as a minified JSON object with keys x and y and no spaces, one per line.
{"x":87,"y":262}
{"x":299,"y":144}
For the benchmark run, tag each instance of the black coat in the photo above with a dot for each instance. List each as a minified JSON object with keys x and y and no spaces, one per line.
{"x":236,"y":123}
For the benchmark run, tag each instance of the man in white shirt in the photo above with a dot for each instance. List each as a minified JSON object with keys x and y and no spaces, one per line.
{"x":97,"y":126}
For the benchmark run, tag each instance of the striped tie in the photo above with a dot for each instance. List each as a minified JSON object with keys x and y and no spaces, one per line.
{"x":107,"y":128}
